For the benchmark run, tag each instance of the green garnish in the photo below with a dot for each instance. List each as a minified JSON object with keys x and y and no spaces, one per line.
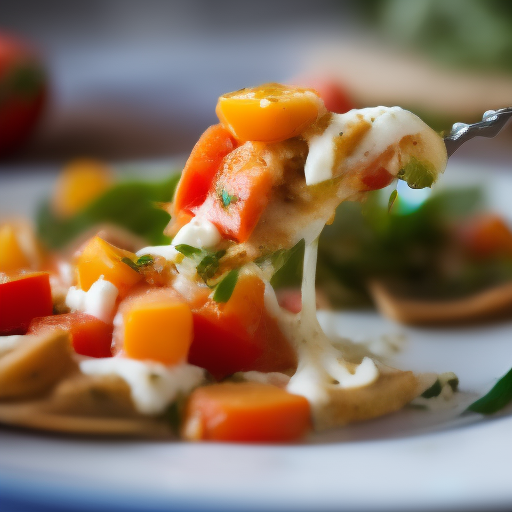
{"x":143,"y":261}
{"x":130,"y":205}
{"x":188,"y":250}
{"x":444,"y":379}
{"x":496,"y":399}
{"x":418,"y":174}
{"x":392,"y":198}
{"x":433,"y":391}
{"x":227,"y":198}
{"x":207,"y":262}
{"x":225,"y":288}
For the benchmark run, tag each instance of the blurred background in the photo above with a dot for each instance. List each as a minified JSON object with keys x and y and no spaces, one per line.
{"x":140,"y":79}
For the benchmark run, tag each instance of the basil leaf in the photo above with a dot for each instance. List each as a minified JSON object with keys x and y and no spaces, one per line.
{"x":418,"y":174}
{"x":496,"y":399}
{"x":188,"y":250}
{"x":129,"y":205}
{"x":225,"y":288}
{"x":208,"y":266}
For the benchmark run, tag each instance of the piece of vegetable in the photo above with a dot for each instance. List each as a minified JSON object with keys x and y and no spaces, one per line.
{"x":245,"y":412}
{"x":246,"y":177}
{"x":497,"y":398}
{"x":158,"y":331}
{"x":418,"y":174}
{"x":269,"y":113}
{"x":23,"y":298}
{"x":12,"y":256}
{"x":22,"y":92}
{"x":207,"y":262}
{"x":239,"y":335}
{"x":335,"y":97}
{"x":89,"y":335}
{"x":99,"y":258}
{"x":80,"y":183}
{"x":131,"y":205}
{"x":202,"y":165}
{"x":225,"y":288}
{"x":486,"y":235}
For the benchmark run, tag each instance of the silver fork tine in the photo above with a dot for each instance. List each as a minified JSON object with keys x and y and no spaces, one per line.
{"x":491,"y":124}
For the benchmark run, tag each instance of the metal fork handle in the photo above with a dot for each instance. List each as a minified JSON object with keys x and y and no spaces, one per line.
{"x":491,"y":124}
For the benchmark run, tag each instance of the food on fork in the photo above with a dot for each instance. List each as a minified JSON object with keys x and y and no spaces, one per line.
{"x":197,"y":335}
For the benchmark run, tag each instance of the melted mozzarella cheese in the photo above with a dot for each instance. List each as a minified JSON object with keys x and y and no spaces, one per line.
{"x":199,"y":232}
{"x":153,"y":386}
{"x":389,"y":126}
{"x":99,"y":301}
{"x":165,"y":251}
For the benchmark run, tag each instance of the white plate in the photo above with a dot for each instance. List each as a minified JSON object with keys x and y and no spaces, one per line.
{"x":413,"y":460}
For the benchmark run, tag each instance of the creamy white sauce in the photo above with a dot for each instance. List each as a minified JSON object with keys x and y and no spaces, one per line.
{"x":199,"y":232}
{"x":321,"y":366}
{"x":153,"y":386}
{"x":389,"y":126}
{"x":274,"y":378}
{"x":165,"y":251}
{"x":9,"y":343}
{"x":99,"y":301}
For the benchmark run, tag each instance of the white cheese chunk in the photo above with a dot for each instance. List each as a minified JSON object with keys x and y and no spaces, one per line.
{"x":99,"y":301}
{"x":153,"y":386}
{"x":165,"y":251}
{"x":199,"y":232}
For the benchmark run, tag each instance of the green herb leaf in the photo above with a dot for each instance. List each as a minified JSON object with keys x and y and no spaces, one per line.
{"x":130,"y":263}
{"x":209,"y":265}
{"x":392,"y":199}
{"x":188,"y":250}
{"x":144,"y":260}
{"x":129,"y":205}
{"x":227,"y":198}
{"x":434,"y":390}
{"x":225,"y":288}
{"x":418,"y":174}
{"x":496,"y":399}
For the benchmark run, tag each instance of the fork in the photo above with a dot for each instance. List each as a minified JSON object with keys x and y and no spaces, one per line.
{"x":491,"y":124}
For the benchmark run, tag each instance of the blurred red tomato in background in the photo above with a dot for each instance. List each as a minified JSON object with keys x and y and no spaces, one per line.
{"x":334,"y":95}
{"x":23,"y":92}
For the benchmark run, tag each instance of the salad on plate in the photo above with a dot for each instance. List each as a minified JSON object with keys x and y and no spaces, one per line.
{"x":186,"y":336}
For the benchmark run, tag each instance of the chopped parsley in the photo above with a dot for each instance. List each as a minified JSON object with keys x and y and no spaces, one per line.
{"x":136,"y":265}
{"x":418,"y":174}
{"x":207,"y":262}
{"x":227,"y":198}
{"x":225,"y":288}
{"x":445,"y":379}
{"x":392,"y":198}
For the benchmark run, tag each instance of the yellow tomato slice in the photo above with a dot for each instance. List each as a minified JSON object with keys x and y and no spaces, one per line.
{"x":269,"y":113}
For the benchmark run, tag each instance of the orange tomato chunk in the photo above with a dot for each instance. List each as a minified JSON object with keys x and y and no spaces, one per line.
{"x":245,"y":412}
{"x":269,"y":113}
{"x":12,"y":256}
{"x":158,"y":331}
{"x":99,"y":258}
{"x":79,"y":184}
{"x":202,"y":165}
{"x":239,"y":194}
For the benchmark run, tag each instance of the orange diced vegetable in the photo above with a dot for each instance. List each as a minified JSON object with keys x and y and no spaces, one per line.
{"x":202,"y":165}
{"x":239,"y":194}
{"x":240,"y":335}
{"x":23,"y":298}
{"x":79,"y":184}
{"x":90,"y":336}
{"x":245,"y":412}
{"x":158,"y":331}
{"x":269,"y":113}
{"x":12,"y":256}
{"x":486,"y":235}
{"x":99,"y":258}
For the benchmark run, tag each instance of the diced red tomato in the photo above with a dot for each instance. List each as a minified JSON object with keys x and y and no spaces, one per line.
{"x":90,"y":336}
{"x":375,"y":179}
{"x":239,"y":335}
{"x":335,"y":97}
{"x":239,"y":194}
{"x":202,"y":165}
{"x":23,"y":298}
